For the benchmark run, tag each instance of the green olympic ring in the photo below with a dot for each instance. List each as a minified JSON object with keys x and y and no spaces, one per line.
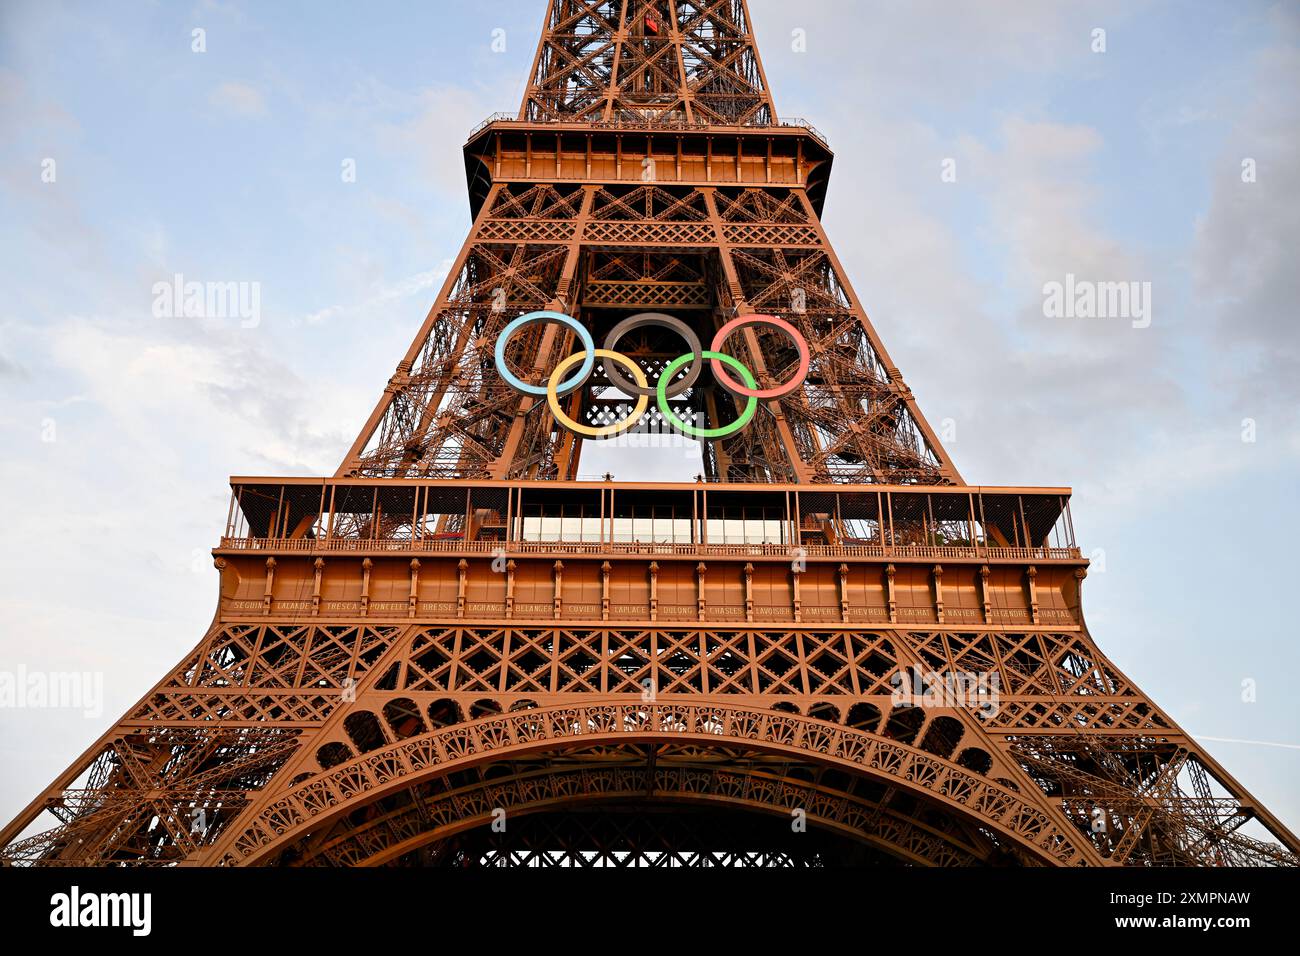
{"x":671,"y":369}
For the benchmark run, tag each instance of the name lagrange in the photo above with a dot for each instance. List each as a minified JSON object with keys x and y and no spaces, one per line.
{"x":75,"y":908}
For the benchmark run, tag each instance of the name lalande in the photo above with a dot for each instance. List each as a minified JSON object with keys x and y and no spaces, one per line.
{"x":179,"y":299}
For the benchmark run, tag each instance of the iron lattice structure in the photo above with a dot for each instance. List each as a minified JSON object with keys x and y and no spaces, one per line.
{"x":454,"y":633}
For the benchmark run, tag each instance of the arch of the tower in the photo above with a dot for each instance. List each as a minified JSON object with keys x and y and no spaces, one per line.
{"x":435,"y":797}
{"x":632,"y":834}
{"x":649,"y":804}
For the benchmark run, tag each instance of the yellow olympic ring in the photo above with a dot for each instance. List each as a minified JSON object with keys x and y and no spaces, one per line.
{"x":587,"y":431}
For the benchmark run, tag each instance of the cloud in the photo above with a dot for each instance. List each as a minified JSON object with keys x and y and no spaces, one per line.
{"x":385,"y":294}
{"x":1245,"y":250}
{"x":25,"y":107}
{"x":11,"y":369}
{"x":431,"y":127}
{"x":935,"y":50}
{"x":952,"y":274}
{"x":238,"y":99}
{"x":157,"y":385}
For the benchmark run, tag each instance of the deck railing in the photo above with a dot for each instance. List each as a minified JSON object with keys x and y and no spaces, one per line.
{"x":793,"y":122}
{"x":646,"y":548}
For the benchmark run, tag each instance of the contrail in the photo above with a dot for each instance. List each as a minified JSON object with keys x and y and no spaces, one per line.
{"x":1234,"y":740}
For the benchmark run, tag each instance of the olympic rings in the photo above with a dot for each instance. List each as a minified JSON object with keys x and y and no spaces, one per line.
{"x":533,"y":318}
{"x":767,"y":394}
{"x":664,"y":388}
{"x":639,"y":321}
{"x":722,"y":432}
{"x":552,"y":398}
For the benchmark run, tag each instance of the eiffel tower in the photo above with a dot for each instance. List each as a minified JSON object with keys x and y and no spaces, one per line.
{"x":826,"y":649}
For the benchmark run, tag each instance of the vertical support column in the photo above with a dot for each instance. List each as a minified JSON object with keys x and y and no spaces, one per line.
{"x":604,"y":590}
{"x":1031,"y":575}
{"x":700,"y":569}
{"x":270,"y":581}
{"x":654,"y":590}
{"x":220,"y":564}
{"x":749,"y":591}
{"x":795,"y":575}
{"x":938,"y":592}
{"x":366,"y":566}
{"x":844,"y":592}
{"x":510,"y":516}
{"x":683,"y":82}
{"x":984,"y":594}
{"x":277,"y":529}
{"x":891,"y":601}
{"x":413,"y":599}
{"x":462,"y":585}
{"x":510,"y":588}
{"x":721,"y":457}
{"x":319,"y":565}
{"x":557,"y":602}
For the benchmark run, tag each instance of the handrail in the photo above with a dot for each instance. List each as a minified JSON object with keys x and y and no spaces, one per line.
{"x":494,"y":118}
{"x":646,"y":548}
{"x":793,"y":122}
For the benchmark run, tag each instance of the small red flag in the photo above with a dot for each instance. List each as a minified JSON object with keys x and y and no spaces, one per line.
{"x":651,"y":24}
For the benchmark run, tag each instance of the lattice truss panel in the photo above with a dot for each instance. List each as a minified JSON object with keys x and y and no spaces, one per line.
{"x":605,"y":252}
{"x":1074,"y":763}
{"x":853,"y":420}
{"x":648,"y":62}
{"x":447,"y":413}
{"x":182,"y":764}
{"x":155,"y":796}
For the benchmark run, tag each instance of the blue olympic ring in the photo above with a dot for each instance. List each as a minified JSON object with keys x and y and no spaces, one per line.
{"x":574,"y":381}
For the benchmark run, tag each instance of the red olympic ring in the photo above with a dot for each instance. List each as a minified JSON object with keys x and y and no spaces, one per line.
{"x":766,"y":394}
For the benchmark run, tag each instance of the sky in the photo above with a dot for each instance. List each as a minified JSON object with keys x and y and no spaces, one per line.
{"x":982,"y":151}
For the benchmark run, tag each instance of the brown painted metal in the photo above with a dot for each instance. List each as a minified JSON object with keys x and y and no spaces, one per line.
{"x":635,"y":672}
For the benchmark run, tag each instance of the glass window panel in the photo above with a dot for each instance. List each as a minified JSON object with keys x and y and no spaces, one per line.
{"x":682,"y":530}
